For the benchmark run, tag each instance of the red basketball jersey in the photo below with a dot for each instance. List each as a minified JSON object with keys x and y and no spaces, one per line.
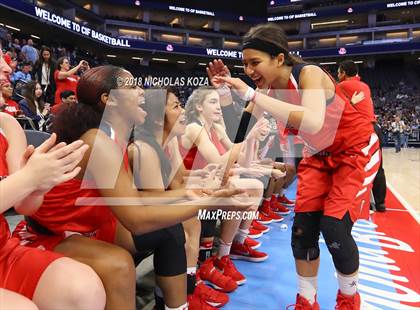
{"x":4,"y":227}
{"x":193,"y":160}
{"x":343,"y":125}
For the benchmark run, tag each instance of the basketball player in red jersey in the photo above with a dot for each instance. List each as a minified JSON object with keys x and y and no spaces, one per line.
{"x":333,"y":182}
{"x":352,"y":86}
{"x":48,"y":279}
{"x":92,"y":221}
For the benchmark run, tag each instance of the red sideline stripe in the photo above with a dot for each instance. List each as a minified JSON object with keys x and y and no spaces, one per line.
{"x":402,"y":226}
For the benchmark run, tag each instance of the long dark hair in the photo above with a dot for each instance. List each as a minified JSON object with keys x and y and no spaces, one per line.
{"x":155,"y":102}
{"x":72,"y":122}
{"x":29,"y":94}
{"x":273,"y":34}
{"x":40,"y":61}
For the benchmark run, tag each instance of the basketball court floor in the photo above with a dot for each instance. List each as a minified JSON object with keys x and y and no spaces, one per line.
{"x":389,"y":246}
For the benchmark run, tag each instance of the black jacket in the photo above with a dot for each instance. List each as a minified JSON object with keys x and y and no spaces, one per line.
{"x":38,"y":74}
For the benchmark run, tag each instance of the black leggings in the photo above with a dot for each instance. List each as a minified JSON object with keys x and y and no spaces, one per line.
{"x":168,"y":248}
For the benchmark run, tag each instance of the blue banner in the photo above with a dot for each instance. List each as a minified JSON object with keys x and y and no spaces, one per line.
{"x":46,"y":16}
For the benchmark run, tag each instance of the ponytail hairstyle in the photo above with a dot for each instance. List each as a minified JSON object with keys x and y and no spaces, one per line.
{"x":197,"y":97}
{"x":72,"y":122}
{"x":271,"y":39}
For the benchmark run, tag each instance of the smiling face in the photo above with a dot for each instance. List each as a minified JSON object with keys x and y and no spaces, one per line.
{"x":210,"y":108}
{"x":7,"y":90}
{"x":69,"y":100}
{"x":4,"y":73}
{"x":175,"y":121}
{"x":127,"y":101}
{"x":259,"y":67}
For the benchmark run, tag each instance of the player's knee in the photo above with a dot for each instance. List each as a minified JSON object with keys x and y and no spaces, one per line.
{"x":89,"y":291}
{"x":80,"y":287}
{"x":341,"y":244}
{"x":305,"y":235}
{"x":119,"y":264}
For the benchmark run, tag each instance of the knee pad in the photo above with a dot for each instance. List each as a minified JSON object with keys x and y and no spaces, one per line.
{"x":172,"y":246}
{"x":340,"y":243}
{"x":305,"y":235}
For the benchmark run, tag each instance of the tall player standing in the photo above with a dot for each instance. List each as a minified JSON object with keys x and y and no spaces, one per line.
{"x":342,"y":155}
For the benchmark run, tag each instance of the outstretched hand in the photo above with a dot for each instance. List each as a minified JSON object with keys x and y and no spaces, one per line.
{"x":217,"y":68}
{"x":236,"y":84}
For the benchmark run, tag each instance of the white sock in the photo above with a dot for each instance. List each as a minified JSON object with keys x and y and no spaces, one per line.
{"x":241,"y":235}
{"x":307,"y":287}
{"x":281,"y":192}
{"x":182,"y":307}
{"x":267,"y":199}
{"x":276,"y":195}
{"x":192,"y":270}
{"x":348,"y":284}
{"x":224,"y":249}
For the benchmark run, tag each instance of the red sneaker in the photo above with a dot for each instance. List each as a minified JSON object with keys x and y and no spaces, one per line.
{"x":278,"y":207}
{"x":285,"y":201}
{"x":254,"y":233}
{"x":265,"y":209}
{"x":257,"y":225}
{"x":264,"y":219}
{"x":215,"y":278}
{"x":348,"y":302}
{"x":196,"y":303}
{"x":229,"y":269}
{"x":210,"y":296}
{"x":303,"y":304}
{"x":244,"y":252}
{"x":253,"y":244}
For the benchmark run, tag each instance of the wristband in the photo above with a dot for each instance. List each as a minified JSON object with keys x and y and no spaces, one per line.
{"x":249,"y":94}
{"x":223,"y":91}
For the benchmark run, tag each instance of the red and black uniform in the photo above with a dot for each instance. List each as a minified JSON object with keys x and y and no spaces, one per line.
{"x":341,"y":159}
{"x":20,"y":267}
